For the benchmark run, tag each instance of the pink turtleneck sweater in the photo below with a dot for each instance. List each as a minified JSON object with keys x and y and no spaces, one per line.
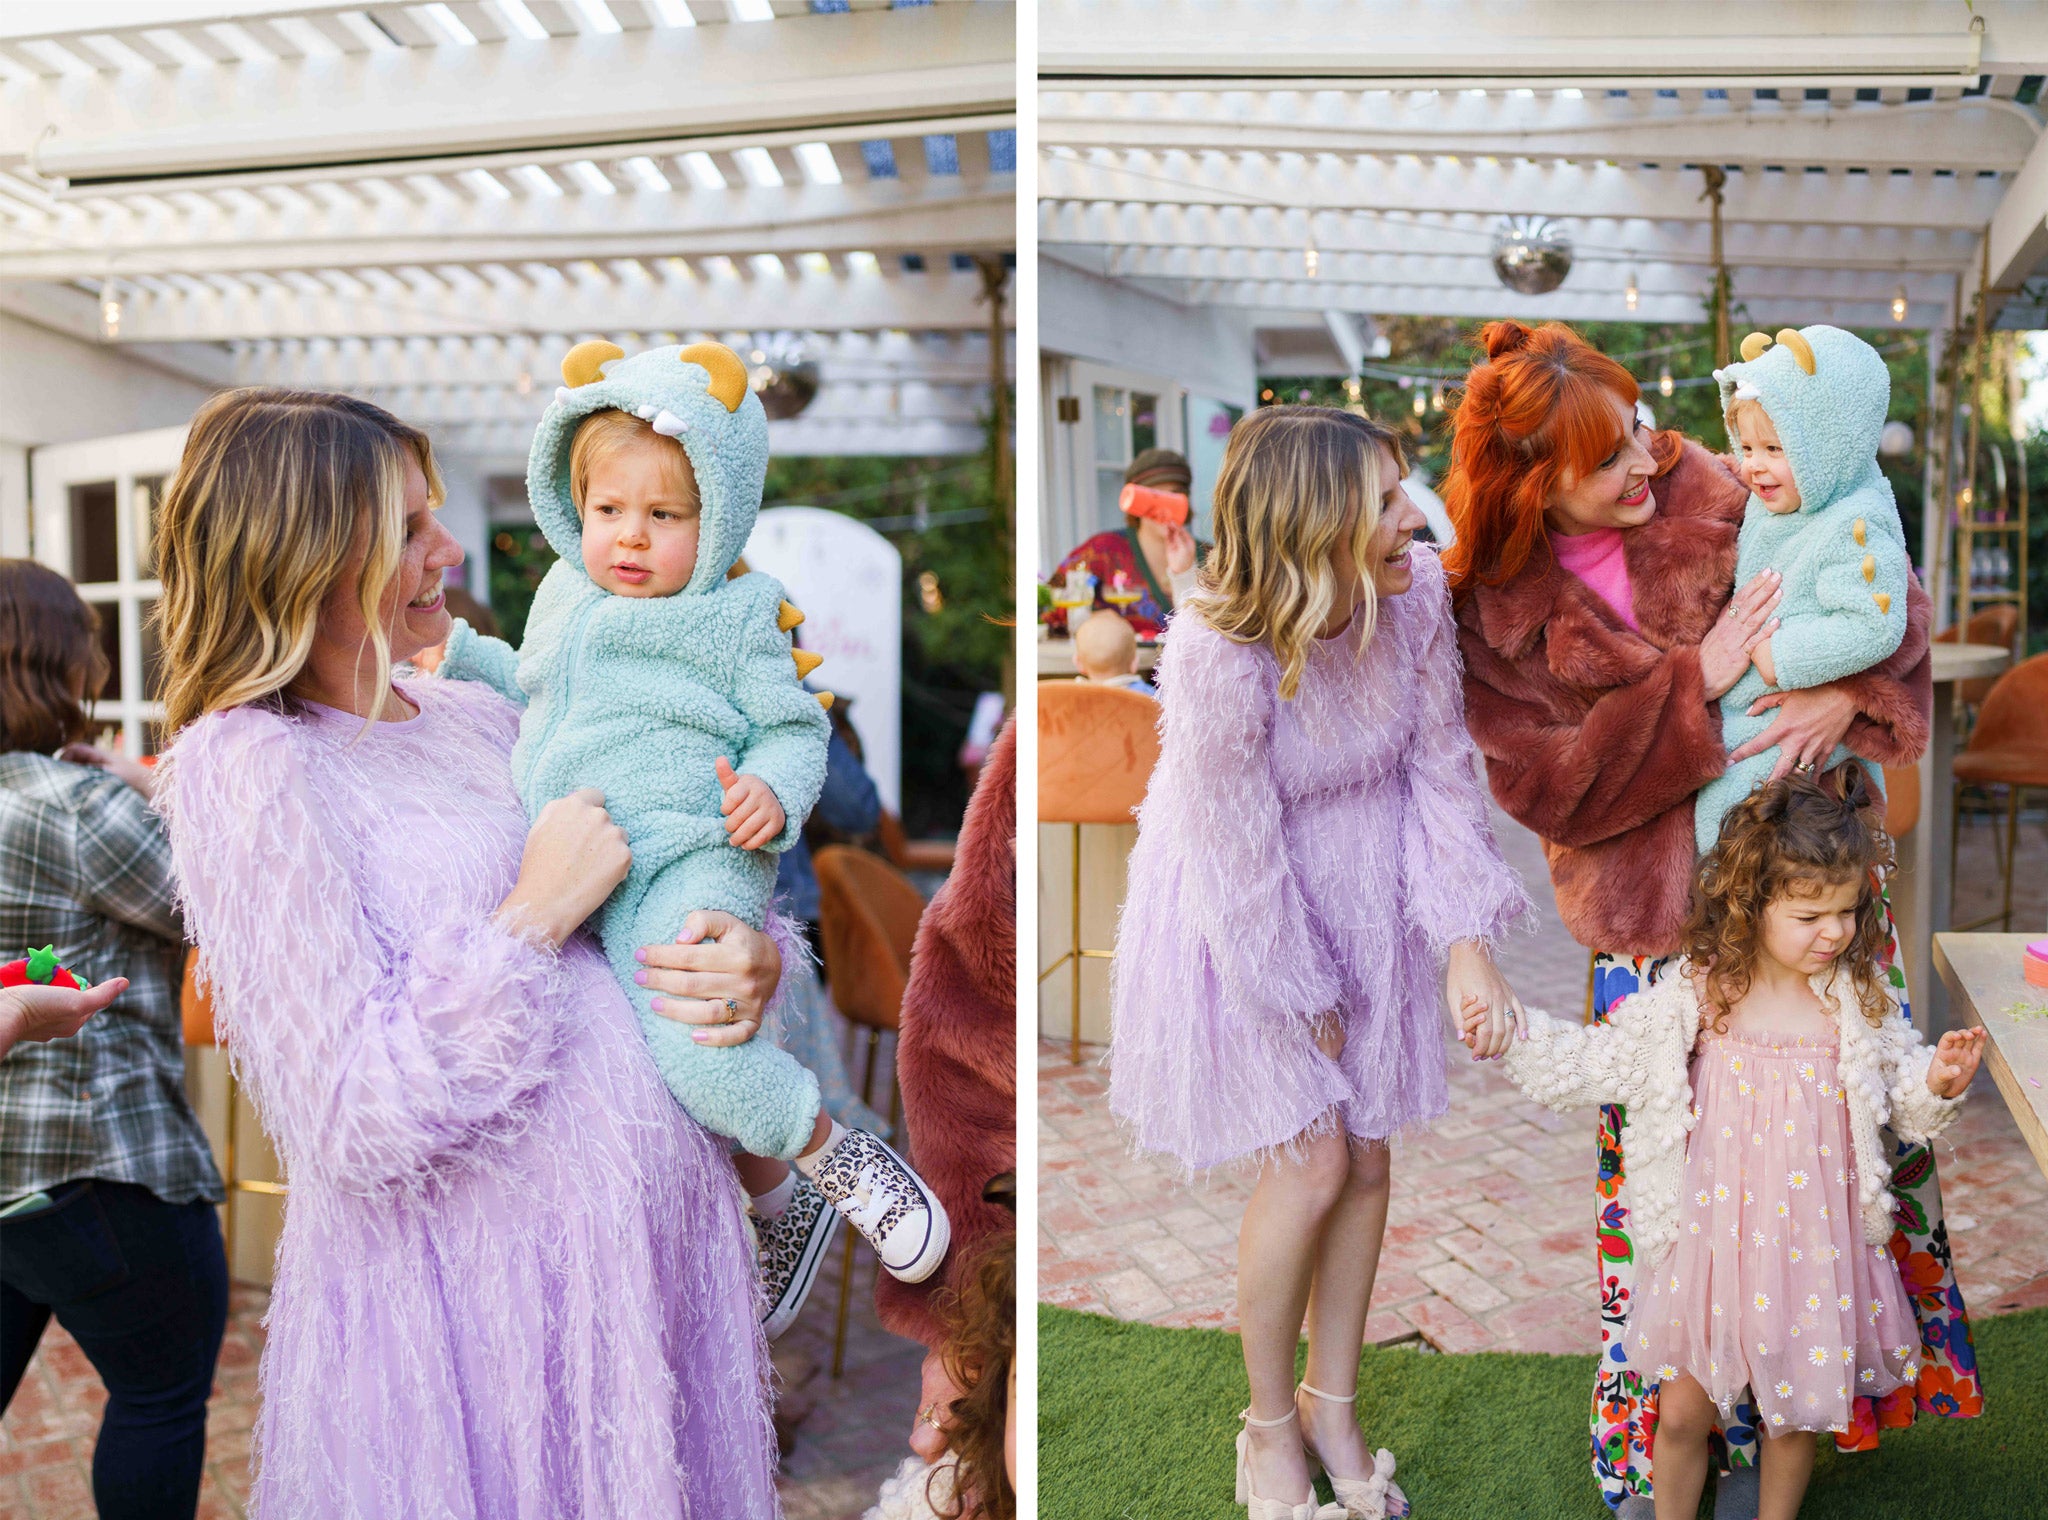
{"x":1596,"y":559}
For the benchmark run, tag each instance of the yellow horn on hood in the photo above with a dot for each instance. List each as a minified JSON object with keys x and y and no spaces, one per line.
{"x":584,"y":363}
{"x":1802,"y":351}
{"x":1753,"y":347}
{"x":728,"y":374}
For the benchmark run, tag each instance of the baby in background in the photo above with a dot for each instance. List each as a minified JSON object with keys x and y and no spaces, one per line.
{"x":1106,"y":652}
{"x":1804,"y":412}
{"x":657,"y":671}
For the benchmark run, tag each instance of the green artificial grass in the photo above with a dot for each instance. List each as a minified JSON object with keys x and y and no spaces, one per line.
{"x":1136,"y":1422}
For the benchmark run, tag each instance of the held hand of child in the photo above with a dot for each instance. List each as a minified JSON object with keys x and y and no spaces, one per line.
{"x":753,"y":816}
{"x":574,"y":856}
{"x":1746,"y":620}
{"x":1488,"y":1010}
{"x":51,"y":1013}
{"x":1955,"y":1062}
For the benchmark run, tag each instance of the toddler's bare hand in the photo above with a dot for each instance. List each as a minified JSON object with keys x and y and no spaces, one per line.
{"x":753,"y":816}
{"x":1955,"y":1062}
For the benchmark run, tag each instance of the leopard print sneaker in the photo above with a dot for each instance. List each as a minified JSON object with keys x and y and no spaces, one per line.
{"x":791,"y":1249}
{"x":879,"y":1195}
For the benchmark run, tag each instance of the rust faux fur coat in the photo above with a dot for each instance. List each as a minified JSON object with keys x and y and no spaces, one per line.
{"x":1596,"y":736}
{"x":956,"y":1054}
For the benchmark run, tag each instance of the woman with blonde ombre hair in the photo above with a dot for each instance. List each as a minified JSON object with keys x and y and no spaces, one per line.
{"x":1313,"y":849}
{"x":513,"y":1280}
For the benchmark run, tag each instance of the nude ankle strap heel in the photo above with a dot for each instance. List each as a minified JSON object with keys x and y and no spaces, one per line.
{"x":1273,"y":1509}
{"x":1375,"y":1498}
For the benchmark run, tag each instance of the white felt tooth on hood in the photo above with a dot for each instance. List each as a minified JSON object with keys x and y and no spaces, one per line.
{"x":644,"y":413}
{"x":668,"y":423}
{"x":1744,"y":391}
{"x":562,"y":393}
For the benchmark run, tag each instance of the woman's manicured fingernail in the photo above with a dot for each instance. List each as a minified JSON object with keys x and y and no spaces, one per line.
{"x":657,"y":1004}
{"x":701,"y":1036}
{"x":639,"y":955}
{"x":640,"y":977}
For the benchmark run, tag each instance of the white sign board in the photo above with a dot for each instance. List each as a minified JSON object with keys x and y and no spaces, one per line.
{"x":848,"y":580}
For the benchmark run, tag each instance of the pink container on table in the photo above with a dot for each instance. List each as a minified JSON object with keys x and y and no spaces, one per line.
{"x":2034,"y":963}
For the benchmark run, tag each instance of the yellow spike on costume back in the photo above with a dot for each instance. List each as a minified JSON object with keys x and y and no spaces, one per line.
{"x":1883,"y":600}
{"x":787,"y":617}
{"x":1857,"y":529}
{"x":825,"y":700}
{"x":806,"y":662}
{"x":728,"y":374}
{"x":583,"y":363}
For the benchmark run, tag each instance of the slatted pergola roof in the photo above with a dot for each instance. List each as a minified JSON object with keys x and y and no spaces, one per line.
{"x":1360,"y":158}
{"x":430,"y":203}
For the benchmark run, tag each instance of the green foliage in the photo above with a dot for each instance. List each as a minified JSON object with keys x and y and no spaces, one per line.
{"x":951,"y":654}
{"x":1137,"y":1421}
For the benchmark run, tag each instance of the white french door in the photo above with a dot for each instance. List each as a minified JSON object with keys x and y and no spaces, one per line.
{"x":1112,"y":416}
{"x":93,"y":518}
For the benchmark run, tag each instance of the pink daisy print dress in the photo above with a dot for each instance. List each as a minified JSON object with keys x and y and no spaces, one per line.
{"x":1771,"y":1286}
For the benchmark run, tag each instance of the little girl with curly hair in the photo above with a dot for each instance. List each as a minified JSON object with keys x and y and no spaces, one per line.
{"x":1758,"y":1079}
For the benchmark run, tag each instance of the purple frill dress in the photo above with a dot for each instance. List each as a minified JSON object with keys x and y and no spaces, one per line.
{"x":1296,"y":857}
{"x":514,"y":1283}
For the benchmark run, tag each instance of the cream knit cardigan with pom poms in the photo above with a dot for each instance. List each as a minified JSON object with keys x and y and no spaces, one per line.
{"x":1639,"y":1058}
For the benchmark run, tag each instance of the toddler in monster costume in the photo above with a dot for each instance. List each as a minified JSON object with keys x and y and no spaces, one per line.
{"x":1804,"y":413}
{"x":651,"y":673}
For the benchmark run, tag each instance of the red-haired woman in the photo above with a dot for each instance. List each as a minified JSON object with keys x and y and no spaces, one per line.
{"x":1600,"y":625}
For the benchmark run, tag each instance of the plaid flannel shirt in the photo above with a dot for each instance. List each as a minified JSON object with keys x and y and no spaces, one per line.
{"x":85,"y":866}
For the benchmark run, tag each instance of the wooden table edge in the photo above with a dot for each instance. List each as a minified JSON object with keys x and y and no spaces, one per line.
{"x":2011,"y":1085}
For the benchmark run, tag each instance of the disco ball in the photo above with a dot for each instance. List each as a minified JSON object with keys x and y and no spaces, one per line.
{"x":786,"y":380}
{"x":1531,"y":254}
{"x":1896,"y":441}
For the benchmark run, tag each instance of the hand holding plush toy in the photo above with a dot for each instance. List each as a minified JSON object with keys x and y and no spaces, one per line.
{"x":40,"y":1000}
{"x":38,"y":968}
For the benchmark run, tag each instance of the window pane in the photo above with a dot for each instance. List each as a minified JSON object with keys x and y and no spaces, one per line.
{"x":149,"y":498}
{"x":152,"y":655}
{"x":1144,"y":423}
{"x":1109,"y":486}
{"x":95,"y":553}
{"x":110,"y":642}
{"x":1109,"y":426}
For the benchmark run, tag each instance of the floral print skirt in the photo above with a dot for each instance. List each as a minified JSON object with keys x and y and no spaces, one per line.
{"x":1770,"y":1285}
{"x":1624,"y":1390}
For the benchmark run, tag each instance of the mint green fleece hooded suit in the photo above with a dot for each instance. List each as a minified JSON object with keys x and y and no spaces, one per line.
{"x":1842,"y":554}
{"x":639,"y":696}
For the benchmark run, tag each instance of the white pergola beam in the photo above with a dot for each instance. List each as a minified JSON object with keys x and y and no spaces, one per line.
{"x":797,"y":437}
{"x":1978,"y":133}
{"x":1750,"y":41}
{"x":935,"y":299}
{"x":501,"y":96}
{"x":1473,"y":187}
{"x":1242,"y":227}
{"x":2017,"y":235}
{"x":881,"y":216}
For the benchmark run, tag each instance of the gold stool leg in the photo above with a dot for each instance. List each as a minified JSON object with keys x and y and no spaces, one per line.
{"x":234,"y":1100}
{"x":1592,"y":966}
{"x":2012,"y":843}
{"x":1074,"y":1054}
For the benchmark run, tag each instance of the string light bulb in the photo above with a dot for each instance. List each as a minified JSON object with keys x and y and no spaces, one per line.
{"x":1632,"y":294}
{"x":1311,"y":260}
{"x":524,"y":384}
{"x":110,"y":311}
{"x":1899,"y":303}
{"x":1421,"y":402}
{"x":1664,"y":382}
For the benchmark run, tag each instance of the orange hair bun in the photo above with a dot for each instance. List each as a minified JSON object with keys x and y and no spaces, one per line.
{"x":1170,"y":507}
{"x":1503,"y":337}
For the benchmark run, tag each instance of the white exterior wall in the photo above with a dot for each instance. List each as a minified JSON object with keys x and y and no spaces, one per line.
{"x":1204,"y":349}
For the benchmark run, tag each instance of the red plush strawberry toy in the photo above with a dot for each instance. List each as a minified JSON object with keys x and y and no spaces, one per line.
{"x":38,"y":968}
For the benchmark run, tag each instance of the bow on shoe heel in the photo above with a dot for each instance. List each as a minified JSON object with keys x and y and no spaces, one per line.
{"x":1374,"y":1498}
{"x":1273,"y":1509}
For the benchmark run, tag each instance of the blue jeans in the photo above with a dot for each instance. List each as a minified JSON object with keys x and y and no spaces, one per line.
{"x":142,"y":1285}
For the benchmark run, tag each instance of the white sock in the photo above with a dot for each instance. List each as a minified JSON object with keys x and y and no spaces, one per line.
{"x":809,"y":1165}
{"x":769,"y":1205}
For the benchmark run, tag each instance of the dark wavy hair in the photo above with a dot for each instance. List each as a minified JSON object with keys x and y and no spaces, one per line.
{"x":980,"y":1316}
{"x":1791,"y":838}
{"x":51,"y":662}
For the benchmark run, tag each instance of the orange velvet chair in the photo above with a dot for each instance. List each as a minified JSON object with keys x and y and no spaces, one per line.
{"x":1096,"y":749}
{"x":1993,"y":625}
{"x":2009,"y":748}
{"x":867,"y":922}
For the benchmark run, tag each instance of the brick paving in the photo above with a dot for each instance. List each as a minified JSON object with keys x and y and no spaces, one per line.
{"x":1488,"y":1240}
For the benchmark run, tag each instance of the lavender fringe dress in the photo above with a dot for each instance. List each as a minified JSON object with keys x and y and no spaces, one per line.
{"x":513,"y":1283}
{"x":1296,"y":857}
